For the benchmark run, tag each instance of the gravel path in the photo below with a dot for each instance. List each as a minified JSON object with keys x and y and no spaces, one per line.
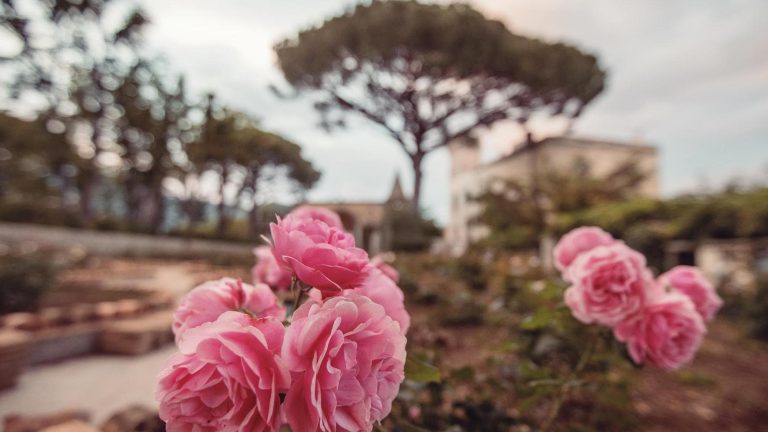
{"x":99,"y":384}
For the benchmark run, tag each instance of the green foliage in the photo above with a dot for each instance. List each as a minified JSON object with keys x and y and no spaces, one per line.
{"x":453,"y":40}
{"x":460,"y":310}
{"x":647,"y":224}
{"x":517,"y":212}
{"x":24,"y":278}
{"x":470,"y":269}
{"x":566,"y":371}
{"x":416,"y":68}
{"x":35,"y":212}
{"x":410,"y":231}
{"x":115,"y":129}
{"x":418,"y":369}
{"x":758,"y":311}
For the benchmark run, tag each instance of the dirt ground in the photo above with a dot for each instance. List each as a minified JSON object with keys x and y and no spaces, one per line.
{"x":725,"y":389}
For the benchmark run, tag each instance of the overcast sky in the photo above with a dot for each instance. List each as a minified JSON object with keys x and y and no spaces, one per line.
{"x":690,"y":76}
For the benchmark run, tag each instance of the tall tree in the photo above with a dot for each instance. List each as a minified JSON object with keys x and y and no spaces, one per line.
{"x":429,"y":74}
{"x":72,"y":54}
{"x":58,"y":39}
{"x":151,"y":135}
{"x":245,"y":158}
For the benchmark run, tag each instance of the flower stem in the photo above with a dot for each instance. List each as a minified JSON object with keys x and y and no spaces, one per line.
{"x":562,"y":394}
{"x":297,"y":300}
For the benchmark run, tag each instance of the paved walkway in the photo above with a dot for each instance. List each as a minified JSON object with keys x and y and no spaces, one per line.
{"x":100,"y":384}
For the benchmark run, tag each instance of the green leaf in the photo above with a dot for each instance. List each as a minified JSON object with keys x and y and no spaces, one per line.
{"x":509,"y":346}
{"x":463,"y":374}
{"x":417,"y":369}
{"x":540,"y":319}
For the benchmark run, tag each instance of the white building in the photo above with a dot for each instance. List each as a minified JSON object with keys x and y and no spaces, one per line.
{"x":470,"y":177}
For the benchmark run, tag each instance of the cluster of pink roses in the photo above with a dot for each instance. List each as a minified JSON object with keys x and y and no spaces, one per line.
{"x":661,"y":320}
{"x":335,"y":365}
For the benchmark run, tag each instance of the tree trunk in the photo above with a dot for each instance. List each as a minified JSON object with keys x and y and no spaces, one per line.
{"x":158,"y":207}
{"x":223,"y":224}
{"x":253,"y":222}
{"x":416,"y":162}
{"x":86,"y":197}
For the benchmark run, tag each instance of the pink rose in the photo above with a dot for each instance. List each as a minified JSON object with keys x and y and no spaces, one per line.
{"x":691,"y":282}
{"x":228,"y":376}
{"x":576,"y":242}
{"x":609,"y":284}
{"x":383,"y":290}
{"x":206,"y":302}
{"x":317,"y":213}
{"x":268,"y":271}
{"x":385,"y":268}
{"x":347,"y":358}
{"x":321,"y":256}
{"x":666,"y":334}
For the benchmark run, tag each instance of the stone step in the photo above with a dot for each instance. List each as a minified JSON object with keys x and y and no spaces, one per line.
{"x":71,"y":426}
{"x":139,"y":335}
{"x":14,"y":346}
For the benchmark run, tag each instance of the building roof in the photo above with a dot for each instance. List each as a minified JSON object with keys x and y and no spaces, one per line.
{"x":574,"y":141}
{"x":397,"y":193}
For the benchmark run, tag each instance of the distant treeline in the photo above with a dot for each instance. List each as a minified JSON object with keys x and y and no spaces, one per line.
{"x":649,"y":224}
{"x":95,"y":133}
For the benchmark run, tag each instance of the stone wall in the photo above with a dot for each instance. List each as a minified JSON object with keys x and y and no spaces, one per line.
{"x":120,"y":244}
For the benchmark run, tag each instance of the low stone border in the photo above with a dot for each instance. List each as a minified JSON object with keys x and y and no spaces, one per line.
{"x":131,"y":419}
{"x":126,"y":327}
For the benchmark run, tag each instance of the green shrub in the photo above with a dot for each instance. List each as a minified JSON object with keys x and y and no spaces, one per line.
{"x":24,"y":278}
{"x":471,"y":270}
{"x":24,"y":212}
{"x":759,"y":311}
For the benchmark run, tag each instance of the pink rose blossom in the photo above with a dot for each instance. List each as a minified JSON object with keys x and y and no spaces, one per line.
{"x":321,"y":256}
{"x":691,"y":282}
{"x":609,"y":284}
{"x":383,"y":290}
{"x":206,"y":302}
{"x":385,"y":268}
{"x":268,"y":271}
{"x":666,"y":334}
{"x":228,"y":376}
{"x":347,"y":360}
{"x":576,"y":242}
{"x":317,"y":213}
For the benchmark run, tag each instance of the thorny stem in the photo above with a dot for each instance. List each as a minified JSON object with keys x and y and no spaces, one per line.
{"x":297,"y":300}
{"x":298,"y":289}
{"x":562,"y":394}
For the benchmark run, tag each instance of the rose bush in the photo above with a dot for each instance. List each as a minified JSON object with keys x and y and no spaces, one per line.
{"x":661,"y":321}
{"x":383,"y":290}
{"x":691,"y":282}
{"x":227,"y":376}
{"x":385,"y":268}
{"x":338,"y":365}
{"x":666,"y":335}
{"x":329,"y":217}
{"x":577,"y":242}
{"x":321,"y":256}
{"x":609,"y":284}
{"x":347,"y":358}
{"x":267,"y":270}
{"x":208,"y":301}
